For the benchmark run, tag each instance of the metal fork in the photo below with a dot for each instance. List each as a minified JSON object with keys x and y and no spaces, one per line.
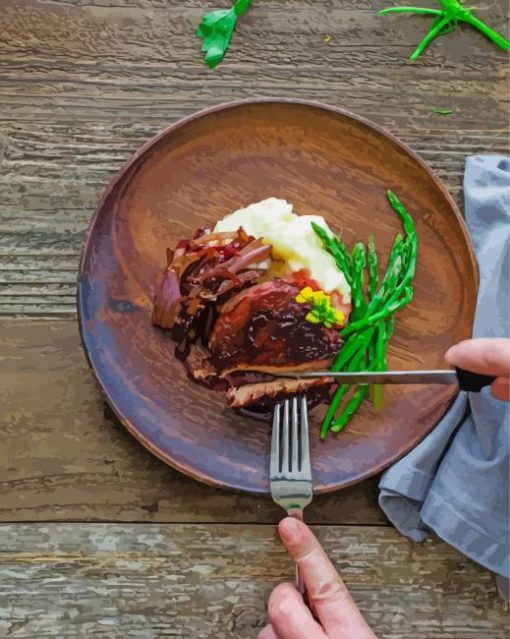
{"x":290,"y":470}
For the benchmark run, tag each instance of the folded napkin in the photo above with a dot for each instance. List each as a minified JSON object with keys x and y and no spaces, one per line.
{"x":455,"y":483}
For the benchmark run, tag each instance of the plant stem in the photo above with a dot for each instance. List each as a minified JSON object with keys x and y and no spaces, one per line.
{"x":391,"y":308}
{"x":379,"y":365}
{"x":339,"y":395}
{"x":241,"y":6}
{"x":350,"y":408}
{"x":420,"y":10}
{"x":433,"y":33}
{"x":373,"y":274}
{"x":487,"y":31}
{"x":357,"y":342}
{"x":367,"y":336}
{"x":359,"y":262}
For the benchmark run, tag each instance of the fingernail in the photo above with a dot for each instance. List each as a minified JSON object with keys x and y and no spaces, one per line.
{"x":289,"y":527}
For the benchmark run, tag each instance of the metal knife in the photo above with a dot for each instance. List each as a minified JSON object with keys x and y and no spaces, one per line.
{"x":466,"y":380}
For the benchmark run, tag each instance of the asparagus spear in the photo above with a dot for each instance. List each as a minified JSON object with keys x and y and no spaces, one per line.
{"x":367,"y":336}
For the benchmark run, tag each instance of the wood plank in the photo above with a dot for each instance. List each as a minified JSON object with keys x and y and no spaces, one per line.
{"x":147,"y":581}
{"x":83,"y":85}
{"x":64,"y":457}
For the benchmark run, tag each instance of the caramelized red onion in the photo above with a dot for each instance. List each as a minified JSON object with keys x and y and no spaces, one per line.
{"x":220,"y":237}
{"x":219,"y":271}
{"x":248,"y":259}
{"x":201,"y":271}
{"x":246,"y":277}
{"x":167,"y":299}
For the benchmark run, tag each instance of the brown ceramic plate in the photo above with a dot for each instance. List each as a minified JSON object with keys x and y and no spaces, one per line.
{"x":323,"y":160}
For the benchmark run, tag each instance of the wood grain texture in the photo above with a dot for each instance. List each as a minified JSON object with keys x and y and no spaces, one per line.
{"x":84,"y":83}
{"x":63,"y":457}
{"x":154,"y":581}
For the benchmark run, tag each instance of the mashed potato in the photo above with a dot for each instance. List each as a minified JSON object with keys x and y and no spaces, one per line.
{"x":293,"y":239}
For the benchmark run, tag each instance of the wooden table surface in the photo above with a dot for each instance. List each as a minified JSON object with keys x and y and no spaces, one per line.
{"x":100,"y":539}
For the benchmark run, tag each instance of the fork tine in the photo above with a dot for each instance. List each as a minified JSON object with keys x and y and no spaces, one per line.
{"x":275,"y":442}
{"x":305,"y":442}
{"x":296,"y":462}
{"x":286,"y":438}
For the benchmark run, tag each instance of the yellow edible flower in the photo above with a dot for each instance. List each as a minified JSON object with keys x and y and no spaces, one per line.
{"x":322,"y":311}
{"x":339,"y":317}
{"x":305,"y":295}
{"x":312,"y":317}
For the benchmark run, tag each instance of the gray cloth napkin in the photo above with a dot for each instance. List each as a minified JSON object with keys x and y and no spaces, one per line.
{"x":455,"y":483}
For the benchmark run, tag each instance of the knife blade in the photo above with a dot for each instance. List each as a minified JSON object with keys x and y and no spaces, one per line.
{"x":466,"y":380}
{"x":382,"y":377}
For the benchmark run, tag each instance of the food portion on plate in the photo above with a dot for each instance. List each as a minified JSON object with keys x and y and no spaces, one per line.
{"x":268,"y":292}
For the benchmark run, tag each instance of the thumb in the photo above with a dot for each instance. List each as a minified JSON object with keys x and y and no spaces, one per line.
{"x":328,"y":594}
{"x":486,"y":355}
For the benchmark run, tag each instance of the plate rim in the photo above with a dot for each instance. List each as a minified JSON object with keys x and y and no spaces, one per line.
{"x":131,"y":162}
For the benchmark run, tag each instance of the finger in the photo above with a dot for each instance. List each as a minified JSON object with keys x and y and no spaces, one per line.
{"x":267,"y":633}
{"x":501,"y":389}
{"x":333,"y":603}
{"x":289,"y":616}
{"x":486,"y":355}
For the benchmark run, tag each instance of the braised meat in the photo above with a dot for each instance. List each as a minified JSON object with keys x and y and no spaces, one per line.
{"x":234,"y":334}
{"x":268,"y":392}
{"x":264,"y":326}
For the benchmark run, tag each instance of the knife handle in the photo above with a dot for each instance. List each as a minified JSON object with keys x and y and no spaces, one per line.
{"x":473,"y":382}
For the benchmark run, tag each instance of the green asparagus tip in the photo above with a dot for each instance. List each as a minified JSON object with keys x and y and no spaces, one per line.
{"x":391,"y":196}
{"x":339,"y":424}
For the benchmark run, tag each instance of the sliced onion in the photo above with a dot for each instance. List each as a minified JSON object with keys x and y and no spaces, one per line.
{"x":249,"y":258}
{"x":167,"y":301}
{"x":219,"y":236}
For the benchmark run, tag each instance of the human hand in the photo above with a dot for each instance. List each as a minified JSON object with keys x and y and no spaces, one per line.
{"x":339,"y":617}
{"x":486,"y":355}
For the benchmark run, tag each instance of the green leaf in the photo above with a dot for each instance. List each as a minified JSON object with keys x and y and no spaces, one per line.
{"x":443,"y":111}
{"x":216,"y":29}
